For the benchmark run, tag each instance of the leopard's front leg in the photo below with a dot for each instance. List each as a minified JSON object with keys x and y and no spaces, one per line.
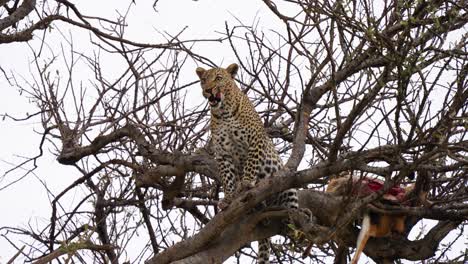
{"x":223,"y":148}
{"x":251,"y":172}
{"x":228,"y":177}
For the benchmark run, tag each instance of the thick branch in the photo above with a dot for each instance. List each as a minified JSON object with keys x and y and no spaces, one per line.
{"x":323,"y":206}
{"x":201,"y":163}
{"x":247,"y":230}
{"x":21,"y":12}
{"x":243,"y":204}
{"x":411,"y":250}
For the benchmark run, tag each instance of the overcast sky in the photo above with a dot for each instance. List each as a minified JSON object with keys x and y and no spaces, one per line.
{"x":26,"y":202}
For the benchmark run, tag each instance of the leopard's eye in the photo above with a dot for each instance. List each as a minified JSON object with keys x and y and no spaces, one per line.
{"x":218,"y":78}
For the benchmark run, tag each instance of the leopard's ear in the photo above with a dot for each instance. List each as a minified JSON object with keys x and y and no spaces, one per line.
{"x":232,"y":69}
{"x":200,"y":71}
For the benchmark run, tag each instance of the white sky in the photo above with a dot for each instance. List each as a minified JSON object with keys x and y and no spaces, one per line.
{"x":26,"y":203}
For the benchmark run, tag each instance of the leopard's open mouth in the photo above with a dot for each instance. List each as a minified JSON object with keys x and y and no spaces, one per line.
{"x":214,"y":100}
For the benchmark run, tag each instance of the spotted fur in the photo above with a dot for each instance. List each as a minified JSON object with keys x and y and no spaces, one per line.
{"x":244,"y":152}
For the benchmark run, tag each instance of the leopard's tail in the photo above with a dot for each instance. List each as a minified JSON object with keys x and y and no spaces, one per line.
{"x":263,"y":251}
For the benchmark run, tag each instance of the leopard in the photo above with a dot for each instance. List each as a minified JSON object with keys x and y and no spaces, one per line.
{"x":243,"y":151}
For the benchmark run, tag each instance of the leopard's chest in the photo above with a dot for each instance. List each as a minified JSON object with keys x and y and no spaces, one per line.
{"x":234,"y":137}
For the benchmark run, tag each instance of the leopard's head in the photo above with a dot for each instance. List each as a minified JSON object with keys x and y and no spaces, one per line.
{"x":217,"y":83}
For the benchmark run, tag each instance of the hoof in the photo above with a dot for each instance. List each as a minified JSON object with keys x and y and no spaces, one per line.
{"x":308,"y":214}
{"x":301,"y":217}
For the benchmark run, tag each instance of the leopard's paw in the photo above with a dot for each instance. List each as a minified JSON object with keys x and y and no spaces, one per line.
{"x":245,"y":185}
{"x":224,"y":203}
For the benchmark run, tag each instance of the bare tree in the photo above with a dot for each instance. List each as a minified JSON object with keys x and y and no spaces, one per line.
{"x":348,"y":86}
